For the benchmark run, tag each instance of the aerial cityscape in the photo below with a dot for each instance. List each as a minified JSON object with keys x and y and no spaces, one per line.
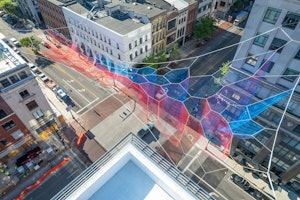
{"x":155,"y":99}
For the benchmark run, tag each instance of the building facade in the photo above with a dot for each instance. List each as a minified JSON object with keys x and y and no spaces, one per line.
{"x":51,"y":11}
{"x":24,"y":109}
{"x":205,"y":8}
{"x":30,"y":10}
{"x":272,"y":36}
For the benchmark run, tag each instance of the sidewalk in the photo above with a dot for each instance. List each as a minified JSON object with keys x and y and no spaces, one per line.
{"x":280,"y":192}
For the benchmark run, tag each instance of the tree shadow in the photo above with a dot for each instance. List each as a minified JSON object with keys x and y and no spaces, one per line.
{"x":42,"y":61}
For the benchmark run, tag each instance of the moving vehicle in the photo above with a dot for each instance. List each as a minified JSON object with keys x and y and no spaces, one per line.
{"x":241,"y":16}
{"x":29,"y":156}
{"x":146,"y":129}
{"x":7,"y":42}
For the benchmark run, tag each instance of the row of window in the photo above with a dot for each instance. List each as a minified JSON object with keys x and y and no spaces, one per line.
{"x":136,"y":53}
{"x":158,"y":26}
{"x":290,"y":21}
{"x":13,"y":79}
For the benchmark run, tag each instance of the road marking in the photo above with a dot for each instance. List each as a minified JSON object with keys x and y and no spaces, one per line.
{"x":81,"y":90}
{"x":76,"y":91}
{"x":72,"y":174}
{"x":70,"y":81}
{"x":87,"y":105}
{"x":74,"y":79}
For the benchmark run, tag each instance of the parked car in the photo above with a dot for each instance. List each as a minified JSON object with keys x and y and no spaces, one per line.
{"x":240,"y":181}
{"x":33,"y":68}
{"x":43,"y":77}
{"x":7,"y":42}
{"x":29,"y":156}
{"x":16,"y":50}
{"x":15,"y":42}
{"x":45,"y":44}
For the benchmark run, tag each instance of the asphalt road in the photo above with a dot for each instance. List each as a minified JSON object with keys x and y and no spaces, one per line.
{"x":209,"y":64}
{"x":58,"y":180}
{"x":84,"y":92}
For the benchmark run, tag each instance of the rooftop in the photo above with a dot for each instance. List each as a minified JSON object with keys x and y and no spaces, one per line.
{"x":135,"y":171}
{"x":9,"y":59}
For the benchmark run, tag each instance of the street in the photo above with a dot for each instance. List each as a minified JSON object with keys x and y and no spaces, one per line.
{"x":211,"y":62}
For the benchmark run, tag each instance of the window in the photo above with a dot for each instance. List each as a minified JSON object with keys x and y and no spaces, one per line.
{"x":146,"y":48}
{"x":141,"y":51}
{"x":109,"y":42}
{"x":130,"y":46}
{"x":277,"y":44}
{"x":24,"y":94}
{"x":111,"y":52}
{"x":8,"y":125}
{"x":141,"y":40}
{"x":119,"y":57}
{"x":118,"y":46}
{"x":136,"y":54}
{"x":38,"y":114}
{"x":223,"y":3}
{"x":32,"y":105}
{"x":291,"y":20}
{"x":267,"y":65}
{"x":5,"y":83}
{"x":14,"y":78}
{"x":272,"y":15}
{"x":171,"y":24}
{"x":17,"y":134}
{"x":297,"y":56}
{"x":130,"y":56}
{"x":135,"y":43}
{"x":4,"y":141}
{"x":22,"y":74}
{"x":146,"y":37}
{"x":252,"y":59}
{"x":290,"y":75}
{"x":2,"y":114}
{"x":261,"y":40}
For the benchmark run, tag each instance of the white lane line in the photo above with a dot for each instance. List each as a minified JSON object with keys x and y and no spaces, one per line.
{"x":72,"y":174}
{"x":73,"y":89}
{"x":87,"y":105}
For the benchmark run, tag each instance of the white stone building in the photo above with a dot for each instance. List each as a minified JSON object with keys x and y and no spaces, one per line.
{"x":111,"y":36}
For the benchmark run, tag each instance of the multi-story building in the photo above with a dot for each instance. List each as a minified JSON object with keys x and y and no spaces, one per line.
{"x":135,"y":171}
{"x":205,"y":8}
{"x":51,"y":11}
{"x":221,"y":7}
{"x":115,"y":35}
{"x":30,"y":10}
{"x":272,"y":35}
{"x":25,"y":111}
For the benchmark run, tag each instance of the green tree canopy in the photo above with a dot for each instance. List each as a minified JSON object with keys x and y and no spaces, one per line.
{"x":175,"y":53}
{"x":205,"y":28}
{"x":31,"y":42}
{"x":153,"y":60}
{"x":8,"y":6}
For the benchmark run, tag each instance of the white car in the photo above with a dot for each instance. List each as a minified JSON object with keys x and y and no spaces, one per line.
{"x":15,"y":41}
{"x":43,"y":77}
{"x":16,"y":50}
{"x":33,"y":68}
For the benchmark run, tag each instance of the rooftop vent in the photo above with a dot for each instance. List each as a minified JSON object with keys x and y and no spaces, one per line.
{"x":149,"y":7}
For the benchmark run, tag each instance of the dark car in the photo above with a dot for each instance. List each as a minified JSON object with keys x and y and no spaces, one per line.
{"x":29,"y":156}
{"x":240,"y":181}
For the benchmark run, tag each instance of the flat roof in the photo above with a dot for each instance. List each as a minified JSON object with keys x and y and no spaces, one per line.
{"x":178,"y":4}
{"x":122,"y":27}
{"x":9,"y":59}
{"x":132,"y":170}
{"x":130,"y":175}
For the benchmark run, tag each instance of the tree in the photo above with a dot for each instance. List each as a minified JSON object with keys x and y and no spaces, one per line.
{"x":225,"y":67}
{"x":175,"y":51}
{"x":9,"y":6}
{"x":31,"y":42}
{"x":205,"y":28}
{"x":153,"y":61}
